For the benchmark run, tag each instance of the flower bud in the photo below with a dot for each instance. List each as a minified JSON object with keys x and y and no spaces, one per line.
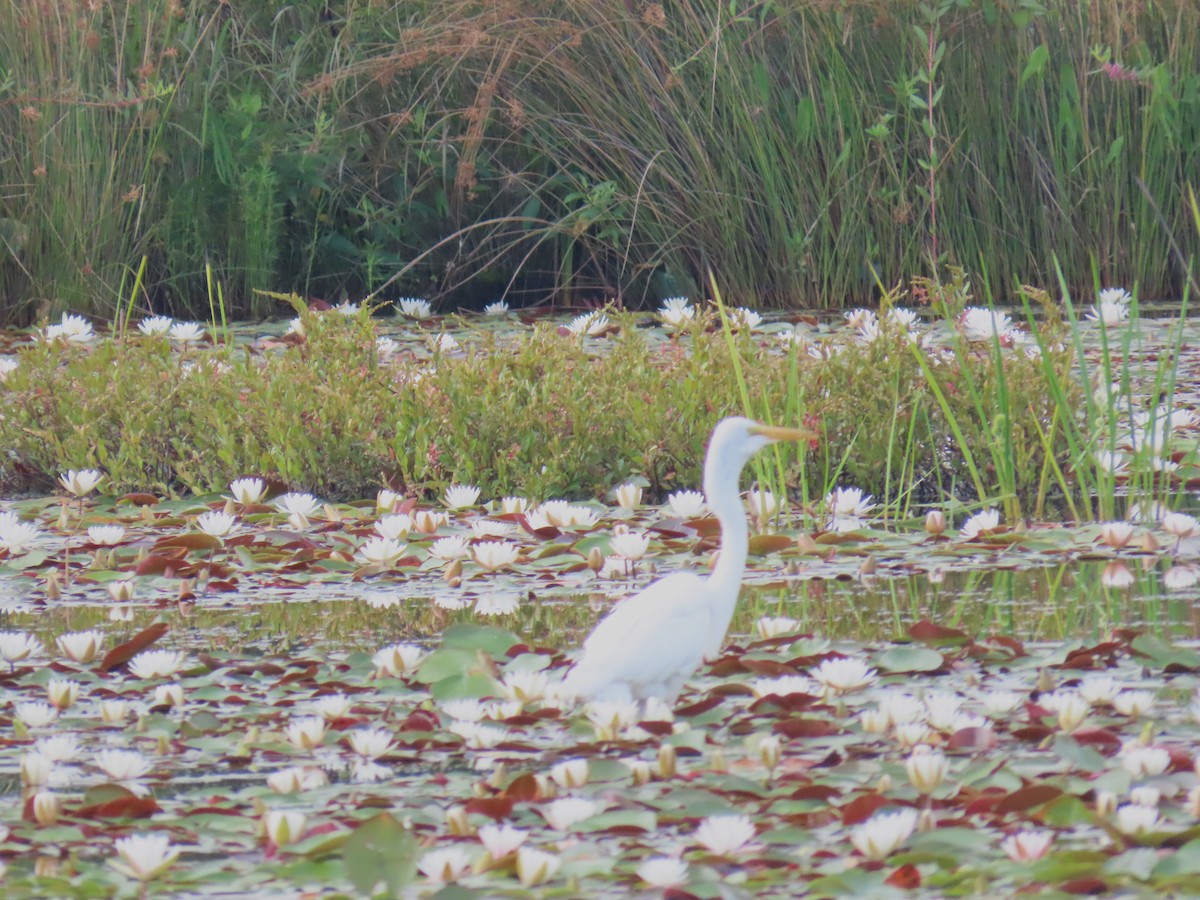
{"x":1106,"y":803}
{"x":35,"y":769}
{"x":925,"y":821}
{"x":457,"y":822}
{"x":641,"y":770}
{"x":935,"y":522}
{"x":284,"y":826}
{"x":570,"y":773}
{"x":121,"y":591}
{"x":62,"y":693}
{"x":926,"y":769}
{"x":666,"y":761}
{"x":168,"y":695}
{"x":47,"y":807}
{"x":770,"y":751}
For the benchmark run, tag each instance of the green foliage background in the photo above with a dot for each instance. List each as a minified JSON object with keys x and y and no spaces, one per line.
{"x":582,"y":149}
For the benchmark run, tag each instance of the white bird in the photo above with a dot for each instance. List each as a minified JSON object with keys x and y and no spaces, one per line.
{"x":653,"y":641}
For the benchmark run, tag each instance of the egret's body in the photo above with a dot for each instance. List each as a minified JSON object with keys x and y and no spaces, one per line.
{"x":653,"y":641}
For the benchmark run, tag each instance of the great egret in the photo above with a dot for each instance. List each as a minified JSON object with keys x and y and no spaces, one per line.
{"x":653,"y":641}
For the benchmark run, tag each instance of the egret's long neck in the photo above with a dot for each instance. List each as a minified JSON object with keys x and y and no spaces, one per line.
{"x":721,"y":491}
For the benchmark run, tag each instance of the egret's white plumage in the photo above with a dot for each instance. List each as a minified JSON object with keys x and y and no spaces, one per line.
{"x":653,"y":641}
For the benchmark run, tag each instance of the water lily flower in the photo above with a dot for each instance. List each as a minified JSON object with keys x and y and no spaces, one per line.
{"x":16,"y":646}
{"x":1145,"y":762}
{"x":427,"y":521}
{"x":496,"y":308}
{"x":501,"y":841}
{"x":35,"y":713}
{"x":36,"y":769}
{"x":295,"y":779}
{"x":782,"y":686}
{"x":499,"y":710}
{"x":72,"y":328}
{"x":398,"y":659}
{"x":284,"y":826}
{"x":628,"y":495}
{"x":935,"y":522}
{"x":742,"y":318}
{"x":1028,"y":845}
{"x":663,"y":872}
{"x":1072,"y":709}
{"x":113,"y":712}
{"x":370,"y":743}
{"x":979,"y":324}
{"x":1133,"y":703}
{"x":299,"y":508}
{"x":1115,"y":295}
{"x":926,"y":769}
{"x":216,"y":523}
{"x":168,"y":695}
{"x":450,"y":548}
{"x":445,"y":864}
{"x":445,"y":343}
{"x":859,"y":319}
{"x":535,"y":866}
{"x":525,"y":685}
{"x":155,"y":325}
{"x":331,"y":706}
{"x":47,"y":807}
{"x":775,"y":626}
{"x":641,"y":770}
{"x":629,"y":545}
{"x":464,"y":709}
{"x":306,"y":733}
{"x":477,"y":736}
{"x":123,"y":765}
{"x":144,"y":856}
{"x":62,"y":693}
{"x":900,"y":707}
{"x":847,"y":507}
{"x":1112,"y":462}
{"x":120,"y":613}
{"x":912,"y":734}
{"x":347,"y":309}
{"x":841,"y":675}
{"x":1179,"y":578}
{"x":610,"y":717}
{"x":156,"y":664}
{"x":1117,"y":575}
{"x":982,"y":524}
{"x":186,"y":332}
{"x":724,"y":835}
{"x":1099,"y":690}
{"x":496,"y":555}
{"x":8,"y":365}
{"x":676,"y":313}
{"x":381,"y":552}
{"x":1000,"y":703}
{"x":762,"y":505}
{"x":248,"y":491}
{"x":881,"y":834}
{"x":414,"y":307}
{"x":1133,"y":818}
{"x":687,"y":504}
{"x":58,"y":747}
{"x":513,"y":506}
{"x":1179,"y":524}
{"x":121,"y":591}
{"x":570,"y":773}
{"x":1108,"y":313}
{"x":941,"y":709}
{"x":588,"y":324}
{"x":562,"y":814}
{"x":80,"y":482}
{"x":770,"y":751}
{"x":394,"y":527}
{"x":106,"y":535}
{"x":16,"y":535}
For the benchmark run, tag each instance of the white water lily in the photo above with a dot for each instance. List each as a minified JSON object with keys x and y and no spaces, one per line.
{"x":295,"y":779}
{"x":588,"y":324}
{"x":298,"y":504}
{"x":35,"y":713}
{"x":1145,"y":796}
{"x":394,"y":527}
{"x":284,"y":827}
{"x":535,"y":866}
{"x":926,"y":769}
{"x":562,"y":814}
{"x":501,"y":841}
{"x":1099,"y":690}
{"x":900,"y":707}
{"x":499,"y":710}
{"x":156,"y":664}
{"x":844,"y":674}
{"x":742,"y":318}
{"x":306,"y":733}
{"x":629,"y":545}
{"x":1133,"y":703}
{"x":1108,"y":313}
{"x":185,"y":332}
{"x":58,"y":747}
{"x":445,"y":864}
{"x":16,"y":535}
{"x":510,"y":506}
{"x":1133,"y":818}
{"x":62,"y":693}
{"x":724,"y":835}
{"x":687,"y":504}
{"x":47,"y":807}
{"x":465,"y":709}
{"x":775,"y":626}
{"x":762,"y":505}
{"x":477,"y":736}
{"x":491,"y":528}
{"x":1145,"y":762}
{"x":496,"y":555}
{"x":106,"y":535}
{"x":370,"y":743}
{"x":144,"y":856}
{"x":113,"y":712}
{"x":16,"y":646}
{"x":628,"y":495}
{"x":8,"y":365}
{"x":381,"y":552}
{"x":155,"y":325}
{"x":663,"y":872}
{"x":73,"y":329}
{"x":1117,"y":575}
{"x":1180,"y":525}
{"x":526,"y":685}
{"x":36,"y":768}
{"x":677,"y":313}
{"x":1072,"y":710}
{"x":248,"y":491}
{"x":450,"y":548}
{"x":612,"y":716}
{"x":1116,"y":534}
{"x":398,"y":659}
{"x":570,"y":773}
{"x":497,"y":604}
{"x":122,"y":591}
{"x":846,"y":508}
{"x":80,"y":482}
{"x":883,"y":833}
{"x":123,"y":765}
{"x":496,"y":308}
{"x":1028,"y":845}
{"x":331,"y":706}
{"x":983,"y":523}
{"x":216,"y":523}
{"x":414,"y":307}
{"x":783,"y":686}
{"x":168,"y":695}
{"x":1000,"y":703}
{"x":979,"y":324}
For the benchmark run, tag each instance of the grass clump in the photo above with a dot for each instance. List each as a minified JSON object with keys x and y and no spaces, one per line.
{"x":542,"y":413}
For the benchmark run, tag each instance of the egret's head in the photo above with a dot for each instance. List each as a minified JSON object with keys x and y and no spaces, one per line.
{"x":736,"y":439}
